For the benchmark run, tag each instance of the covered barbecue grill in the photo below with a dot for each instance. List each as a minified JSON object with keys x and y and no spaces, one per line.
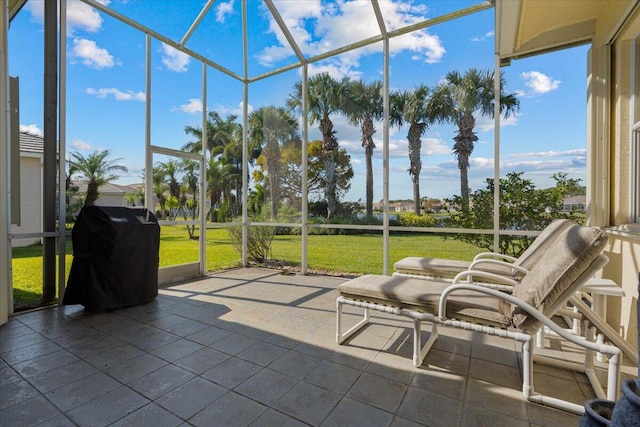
{"x":115,"y":258}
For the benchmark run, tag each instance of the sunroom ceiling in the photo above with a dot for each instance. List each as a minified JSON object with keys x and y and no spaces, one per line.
{"x":282,"y":34}
{"x":530,"y":27}
{"x":15,"y":6}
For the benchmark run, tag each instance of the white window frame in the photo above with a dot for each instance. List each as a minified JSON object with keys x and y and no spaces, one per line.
{"x":634,"y":138}
{"x":635,"y":174}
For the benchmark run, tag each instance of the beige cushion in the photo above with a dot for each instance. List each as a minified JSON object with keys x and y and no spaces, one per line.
{"x":448,"y":268}
{"x":543,"y":242}
{"x":423,"y":296}
{"x":438,"y":267}
{"x":558,"y":267}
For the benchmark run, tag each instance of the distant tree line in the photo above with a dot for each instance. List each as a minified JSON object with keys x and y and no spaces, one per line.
{"x":276,"y":152}
{"x":275,"y":148}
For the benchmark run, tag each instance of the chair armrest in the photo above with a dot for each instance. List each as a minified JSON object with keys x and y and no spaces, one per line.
{"x":514,"y":268}
{"x":531,"y":310}
{"x":495,"y":281}
{"x":494,"y":255}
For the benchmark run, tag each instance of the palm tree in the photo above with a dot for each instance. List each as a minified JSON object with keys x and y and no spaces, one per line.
{"x":191,"y":170}
{"x":412,"y":107}
{"x":270,"y":128}
{"x":218,"y":174}
{"x":455,"y":100}
{"x":169,"y":170}
{"x":363,"y":106}
{"x":224,"y":143}
{"x":324,"y":98}
{"x":136,"y":196}
{"x":232,"y":157}
{"x":219,"y":133}
{"x":96,"y":169}
{"x":190,"y":179}
{"x":255,"y":198}
{"x":160,"y":188}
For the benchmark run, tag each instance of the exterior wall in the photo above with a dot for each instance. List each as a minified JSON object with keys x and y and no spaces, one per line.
{"x":111,"y":200}
{"x":620,"y":138}
{"x":609,"y":13}
{"x":106,"y":200}
{"x":30,"y":199}
{"x":624,"y":264}
{"x":624,"y":246}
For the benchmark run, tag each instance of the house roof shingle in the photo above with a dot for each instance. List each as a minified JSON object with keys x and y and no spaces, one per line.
{"x":110,"y":188}
{"x":30,"y":143}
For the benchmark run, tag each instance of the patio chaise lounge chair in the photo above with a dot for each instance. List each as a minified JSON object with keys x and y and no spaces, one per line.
{"x":507,"y":271}
{"x":559,"y":272}
{"x":509,"y":268}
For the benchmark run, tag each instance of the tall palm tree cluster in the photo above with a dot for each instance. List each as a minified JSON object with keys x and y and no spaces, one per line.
{"x":275,"y":146}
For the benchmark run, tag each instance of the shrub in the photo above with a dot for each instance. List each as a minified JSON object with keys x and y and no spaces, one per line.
{"x":522,"y":207}
{"x":338,"y":231}
{"x":259,"y":239}
{"x":224,"y":213}
{"x":408,"y":219}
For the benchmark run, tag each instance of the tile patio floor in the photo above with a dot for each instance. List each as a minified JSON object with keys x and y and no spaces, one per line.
{"x":254,"y":347}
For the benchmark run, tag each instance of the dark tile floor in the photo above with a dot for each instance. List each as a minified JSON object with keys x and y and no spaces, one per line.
{"x":254,"y":347}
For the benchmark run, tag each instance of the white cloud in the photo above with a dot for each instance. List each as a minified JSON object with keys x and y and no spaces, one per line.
{"x":317,"y":29}
{"x":398,"y":14}
{"x":336,"y":69}
{"x":539,"y":83}
{"x":32,"y":129}
{"x":546,"y":167}
{"x":542,"y":164}
{"x":81,"y":145}
{"x":520,"y":93}
{"x":117,"y":94}
{"x":426,"y":47}
{"x":225,"y":110}
{"x":443,"y":179}
{"x":434,"y":146}
{"x":224,"y":9}
{"x":480,"y":163}
{"x":174,"y":59}
{"x":91,"y":55}
{"x":487,"y":35}
{"x":574,"y":152}
{"x":194,"y":106}
{"x":354,"y":147}
{"x":431,"y":146}
{"x":79,"y":15}
{"x":486,"y":123}
{"x":398,"y":149}
{"x":83,"y":16}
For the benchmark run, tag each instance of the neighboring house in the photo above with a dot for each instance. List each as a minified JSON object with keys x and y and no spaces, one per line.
{"x":401,"y":207}
{"x":109,"y":194}
{"x":31,"y":156}
{"x":575,"y":203}
{"x":395,"y":206}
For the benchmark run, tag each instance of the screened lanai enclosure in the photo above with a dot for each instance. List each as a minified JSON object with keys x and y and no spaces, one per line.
{"x":292,"y":121}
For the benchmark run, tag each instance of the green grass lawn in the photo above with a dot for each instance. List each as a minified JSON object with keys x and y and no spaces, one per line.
{"x":353,"y":254}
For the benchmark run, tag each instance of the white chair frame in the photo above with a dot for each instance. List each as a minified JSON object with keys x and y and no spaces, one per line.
{"x":526,"y":338}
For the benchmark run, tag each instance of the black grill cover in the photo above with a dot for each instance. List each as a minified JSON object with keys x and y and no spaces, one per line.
{"x":115,"y":258}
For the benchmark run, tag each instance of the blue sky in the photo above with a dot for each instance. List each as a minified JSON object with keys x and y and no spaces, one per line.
{"x":106,"y":82}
